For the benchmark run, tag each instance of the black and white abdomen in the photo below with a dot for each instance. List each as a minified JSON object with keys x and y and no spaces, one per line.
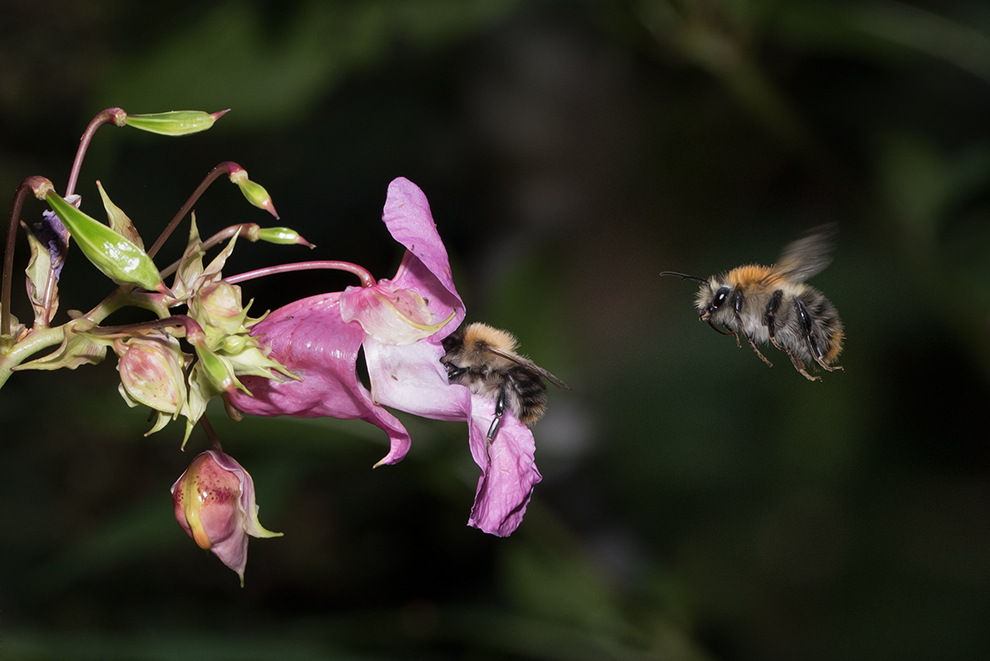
{"x":526,"y":394}
{"x":812,"y":328}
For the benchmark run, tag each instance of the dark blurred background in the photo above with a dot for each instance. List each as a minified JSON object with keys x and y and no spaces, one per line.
{"x":696,"y":505}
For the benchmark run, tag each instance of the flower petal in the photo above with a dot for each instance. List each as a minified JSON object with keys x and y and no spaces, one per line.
{"x":310,"y":338}
{"x":508,"y":470}
{"x":425,"y":267}
{"x":248,"y":506}
{"x":389,"y":314}
{"x":412,"y":379}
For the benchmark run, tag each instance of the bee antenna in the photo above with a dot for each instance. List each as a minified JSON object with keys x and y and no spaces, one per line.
{"x":683,"y":276}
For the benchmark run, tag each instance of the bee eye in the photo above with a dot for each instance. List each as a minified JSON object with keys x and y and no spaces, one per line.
{"x":720,"y":297}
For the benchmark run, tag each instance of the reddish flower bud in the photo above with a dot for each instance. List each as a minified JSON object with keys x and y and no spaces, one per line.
{"x":151,"y":373}
{"x":214,"y":504}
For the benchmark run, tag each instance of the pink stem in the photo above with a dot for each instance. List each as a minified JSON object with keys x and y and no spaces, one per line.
{"x":114,"y":116}
{"x":194,"y":332}
{"x":223,"y":168}
{"x":38,"y":186}
{"x":209,"y":243}
{"x":210,"y":434}
{"x":367,"y":280}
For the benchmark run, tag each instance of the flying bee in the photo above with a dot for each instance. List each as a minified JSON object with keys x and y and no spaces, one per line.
{"x":484,"y":359}
{"x":773,"y":303}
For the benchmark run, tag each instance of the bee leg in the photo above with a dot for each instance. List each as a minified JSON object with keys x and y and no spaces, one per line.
{"x":454,"y":372}
{"x":770,"y":318}
{"x":807,"y":325}
{"x":799,"y":366}
{"x":804,"y":315}
{"x":757,"y":350}
{"x":499,"y":412}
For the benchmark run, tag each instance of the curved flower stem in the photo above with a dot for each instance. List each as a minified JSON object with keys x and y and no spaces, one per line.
{"x":115,"y":116}
{"x":367,"y":280}
{"x":8,"y":256}
{"x":210,"y":434}
{"x":194,"y":332}
{"x":224,"y":168}
{"x":40,"y":187}
{"x":124,"y":296}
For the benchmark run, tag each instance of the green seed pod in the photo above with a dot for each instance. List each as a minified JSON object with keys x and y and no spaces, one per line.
{"x":118,"y":259}
{"x":177,"y":122}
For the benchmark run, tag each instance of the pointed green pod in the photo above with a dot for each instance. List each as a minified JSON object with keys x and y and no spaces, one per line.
{"x":176,"y":122}
{"x":118,"y":259}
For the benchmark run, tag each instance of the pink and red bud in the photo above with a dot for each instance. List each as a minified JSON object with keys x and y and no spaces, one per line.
{"x":215,"y":505}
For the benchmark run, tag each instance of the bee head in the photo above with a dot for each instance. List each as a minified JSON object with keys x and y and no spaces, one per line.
{"x":711,"y":297}
{"x":453,"y":340}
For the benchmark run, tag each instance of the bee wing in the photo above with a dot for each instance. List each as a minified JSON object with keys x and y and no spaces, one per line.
{"x":530,"y":365}
{"x":809,"y":255}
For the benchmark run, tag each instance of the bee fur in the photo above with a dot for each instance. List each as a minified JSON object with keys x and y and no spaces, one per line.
{"x":773,"y":304}
{"x":484,"y":359}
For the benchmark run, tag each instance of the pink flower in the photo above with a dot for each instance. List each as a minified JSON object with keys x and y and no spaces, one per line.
{"x":400,"y":323}
{"x":214,"y":504}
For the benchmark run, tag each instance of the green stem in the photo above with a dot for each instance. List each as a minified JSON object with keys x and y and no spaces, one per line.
{"x":35,"y":341}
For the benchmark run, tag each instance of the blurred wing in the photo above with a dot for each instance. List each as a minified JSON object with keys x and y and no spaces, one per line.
{"x":808,"y":255}
{"x":530,"y":365}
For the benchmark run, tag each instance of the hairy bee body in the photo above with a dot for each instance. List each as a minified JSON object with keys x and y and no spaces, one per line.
{"x":483,"y":359}
{"x":772,"y":304}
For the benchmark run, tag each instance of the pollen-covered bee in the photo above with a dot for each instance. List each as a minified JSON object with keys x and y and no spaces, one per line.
{"x":773,"y":303}
{"x":484,"y":359}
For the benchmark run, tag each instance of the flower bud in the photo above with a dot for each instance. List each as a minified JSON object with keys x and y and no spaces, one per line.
{"x":176,"y":122}
{"x":215,"y":505}
{"x":151,"y":374}
{"x":118,"y":259}
{"x":218,"y":305}
{"x":280,"y":235}
{"x":255,"y":193}
{"x":215,"y":373}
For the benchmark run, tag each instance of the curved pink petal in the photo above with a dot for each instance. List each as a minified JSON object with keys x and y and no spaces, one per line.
{"x":310,"y":339}
{"x":411,"y":378}
{"x":390,"y":314}
{"x":425,"y":267}
{"x":508,"y":470}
